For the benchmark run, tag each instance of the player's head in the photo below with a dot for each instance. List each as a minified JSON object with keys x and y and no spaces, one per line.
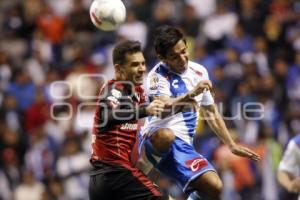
{"x":170,"y":46}
{"x":129,"y":62}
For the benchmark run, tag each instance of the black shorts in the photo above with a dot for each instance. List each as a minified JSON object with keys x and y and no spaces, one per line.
{"x":109,"y":182}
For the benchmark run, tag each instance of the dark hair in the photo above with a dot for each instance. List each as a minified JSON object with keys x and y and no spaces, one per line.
{"x":165,"y":38}
{"x":123,"y":48}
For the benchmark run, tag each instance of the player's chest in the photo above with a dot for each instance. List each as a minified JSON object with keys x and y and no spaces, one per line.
{"x":182,"y":84}
{"x":132,"y":99}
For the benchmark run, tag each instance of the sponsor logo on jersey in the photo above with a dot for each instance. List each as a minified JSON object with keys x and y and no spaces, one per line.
{"x":128,"y":126}
{"x":154,"y":82}
{"x":113,"y":102}
{"x":116,"y":93}
{"x":196,"y":164}
{"x":175,"y":83}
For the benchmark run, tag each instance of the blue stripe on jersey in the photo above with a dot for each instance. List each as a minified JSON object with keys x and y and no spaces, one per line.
{"x":163,"y":72}
{"x":177,"y":85}
{"x":190,"y":119}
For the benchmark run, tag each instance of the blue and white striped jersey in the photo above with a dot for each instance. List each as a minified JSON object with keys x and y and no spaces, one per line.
{"x":290,"y":161}
{"x":163,"y":82}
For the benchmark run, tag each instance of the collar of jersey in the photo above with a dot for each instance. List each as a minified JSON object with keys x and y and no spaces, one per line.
{"x":166,"y":66}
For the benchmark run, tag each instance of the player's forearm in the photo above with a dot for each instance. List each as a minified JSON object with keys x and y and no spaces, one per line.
{"x":284,"y":180}
{"x":119,"y":116}
{"x":185,"y":98}
{"x":182,"y":99}
{"x":217,"y":124}
{"x":171,"y":101}
{"x":175,"y":105}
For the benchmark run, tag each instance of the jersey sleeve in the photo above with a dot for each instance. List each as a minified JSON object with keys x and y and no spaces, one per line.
{"x":157,"y":85}
{"x":289,"y":160}
{"x":205,"y":98}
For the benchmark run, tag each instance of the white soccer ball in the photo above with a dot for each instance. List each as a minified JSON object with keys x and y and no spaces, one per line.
{"x":107,"y":15}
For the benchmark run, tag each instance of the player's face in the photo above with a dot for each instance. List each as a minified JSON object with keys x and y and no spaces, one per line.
{"x":134,"y":68}
{"x":177,"y":58}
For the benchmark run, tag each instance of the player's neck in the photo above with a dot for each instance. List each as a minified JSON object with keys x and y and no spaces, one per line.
{"x":120,"y":77}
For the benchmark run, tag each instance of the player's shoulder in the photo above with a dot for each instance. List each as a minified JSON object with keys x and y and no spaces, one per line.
{"x":115,"y":85}
{"x":198,"y":69}
{"x":159,"y":69}
{"x":197,"y":66}
{"x":116,"y":89}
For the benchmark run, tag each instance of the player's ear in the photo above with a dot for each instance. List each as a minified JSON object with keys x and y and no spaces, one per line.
{"x":160,"y":57}
{"x":120,"y":71}
{"x":118,"y":67}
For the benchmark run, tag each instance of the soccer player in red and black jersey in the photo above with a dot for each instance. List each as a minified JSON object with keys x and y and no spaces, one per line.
{"x":121,"y":103}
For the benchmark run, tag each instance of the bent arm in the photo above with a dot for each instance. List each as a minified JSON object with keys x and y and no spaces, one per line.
{"x":186,"y":98}
{"x":202,"y":86}
{"x":120,"y":115}
{"x":284,"y":179}
{"x":217,"y":124}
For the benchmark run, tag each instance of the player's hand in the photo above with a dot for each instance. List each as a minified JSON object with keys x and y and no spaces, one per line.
{"x":244,"y":152}
{"x":200,"y":87}
{"x":156,"y":107}
{"x":295,"y":185}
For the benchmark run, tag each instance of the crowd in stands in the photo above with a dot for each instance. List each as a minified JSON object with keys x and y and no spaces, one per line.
{"x":53,"y":62}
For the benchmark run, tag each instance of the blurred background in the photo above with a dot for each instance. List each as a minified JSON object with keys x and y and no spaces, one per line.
{"x":251,"y":49}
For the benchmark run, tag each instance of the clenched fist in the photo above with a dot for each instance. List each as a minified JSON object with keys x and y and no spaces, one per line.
{"x":200,"y":87}
{"x":155,"y":108}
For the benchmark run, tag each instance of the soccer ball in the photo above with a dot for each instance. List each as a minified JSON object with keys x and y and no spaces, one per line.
{"x":107,"y":15}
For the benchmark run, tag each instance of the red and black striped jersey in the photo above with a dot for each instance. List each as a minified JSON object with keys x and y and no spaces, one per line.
{"x":119,"y":107}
